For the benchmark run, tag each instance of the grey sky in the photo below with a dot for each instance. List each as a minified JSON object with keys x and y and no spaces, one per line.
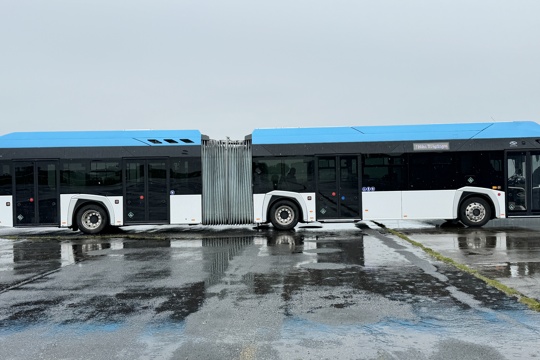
{"x":227,"y":67}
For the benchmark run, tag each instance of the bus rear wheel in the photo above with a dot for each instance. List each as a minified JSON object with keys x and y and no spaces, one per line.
{"x":92,"y":219}
{"x":475,"y":212}
{"x":284,"y":215}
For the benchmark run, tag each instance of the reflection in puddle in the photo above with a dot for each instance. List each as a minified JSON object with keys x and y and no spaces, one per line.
{"x":482,"y":240}
{"x":6,"y":255}
{"x":45,"y":255}
{"x":513,"y":270}
{"x":321,"y":251}
{"x":479,"y":240}
{"x":323,"y":266}
{"x":27,"y":256}
{"x":524,"y":269}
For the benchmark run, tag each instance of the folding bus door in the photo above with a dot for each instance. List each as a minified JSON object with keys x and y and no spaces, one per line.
{"x":146,"y":192}
{"x":523,"y":183}
{"x":36,"y":193}
{"x":338,"y":187}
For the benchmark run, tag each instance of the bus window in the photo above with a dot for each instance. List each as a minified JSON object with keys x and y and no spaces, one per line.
{"x":290,"y":174}
{"x":91,"y":177}
{"x":480,"y":169}
{"x":106,"y":174}
{"x":383,"y":172}
{"x":186,"y":176}
{"x":73,"y":177}
{"x":5,"y":179}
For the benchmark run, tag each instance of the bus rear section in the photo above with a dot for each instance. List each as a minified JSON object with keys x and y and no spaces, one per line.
{"x":92,"y":180}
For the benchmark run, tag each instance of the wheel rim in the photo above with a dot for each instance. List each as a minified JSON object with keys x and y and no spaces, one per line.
{"x":284,"y":215}
{"x":92,"y":219}
{"x":475,"y":212}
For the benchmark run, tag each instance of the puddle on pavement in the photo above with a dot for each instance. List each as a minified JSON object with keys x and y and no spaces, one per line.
{"x":173,"y":278}
{"x":495,"y":253}
{"x":23,"y":257}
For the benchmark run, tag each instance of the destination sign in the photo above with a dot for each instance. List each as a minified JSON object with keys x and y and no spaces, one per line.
{"x":431,"y":146}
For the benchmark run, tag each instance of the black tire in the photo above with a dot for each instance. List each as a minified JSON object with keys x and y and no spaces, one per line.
{"x":284,"y":215}
{"x":474,"y":212}
{"x":92,"y":219}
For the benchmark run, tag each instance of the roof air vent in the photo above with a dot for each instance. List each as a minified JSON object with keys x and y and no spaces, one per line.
{"x":187,"y":141}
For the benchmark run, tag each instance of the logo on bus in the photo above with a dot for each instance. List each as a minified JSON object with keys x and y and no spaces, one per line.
{"x":513,"y":143}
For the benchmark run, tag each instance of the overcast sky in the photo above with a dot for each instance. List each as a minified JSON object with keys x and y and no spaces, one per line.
{"x":226,"y":67}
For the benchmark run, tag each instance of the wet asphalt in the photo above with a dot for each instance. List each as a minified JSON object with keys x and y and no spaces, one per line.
{"x":240,"y":293}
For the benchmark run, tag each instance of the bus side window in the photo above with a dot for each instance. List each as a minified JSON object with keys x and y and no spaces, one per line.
{"x":290,"y":174}
{"x":383,"y":172}
{"x":5,"y":179}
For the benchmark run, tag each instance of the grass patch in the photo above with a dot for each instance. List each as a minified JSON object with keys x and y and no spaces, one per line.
{"x":533,"y":304}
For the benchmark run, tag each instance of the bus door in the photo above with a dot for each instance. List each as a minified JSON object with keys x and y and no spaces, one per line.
{"x":146,"y":191}
{"x":338,"y":184}
{"x":523,"y":183}
{"x":36,"y":193}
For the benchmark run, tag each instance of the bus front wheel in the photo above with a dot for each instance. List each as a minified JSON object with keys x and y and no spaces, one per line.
{"x":475,"y":212}
{"x":284,"y":215}
{"x":92,"y":219}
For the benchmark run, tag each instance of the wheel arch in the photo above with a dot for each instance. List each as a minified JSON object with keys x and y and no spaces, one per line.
{"x":301,"y":200}
{"x":468,"y":195}
{"x":276,"y":198}
{"x":80,"y":203}
{"x":494,"y":198}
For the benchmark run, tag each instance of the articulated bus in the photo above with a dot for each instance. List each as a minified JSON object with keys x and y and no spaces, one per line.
{"x":91,"y":180}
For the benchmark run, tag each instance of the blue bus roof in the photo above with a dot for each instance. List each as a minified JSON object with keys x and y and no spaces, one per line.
{"x":100,"y":138}
{"x":465,"y":131}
